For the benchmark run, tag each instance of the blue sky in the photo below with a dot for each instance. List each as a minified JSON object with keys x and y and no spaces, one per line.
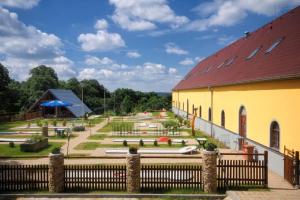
{"x":147,"y":45}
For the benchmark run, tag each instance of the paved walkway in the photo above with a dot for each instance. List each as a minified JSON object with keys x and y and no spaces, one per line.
{"x":279,"y":190}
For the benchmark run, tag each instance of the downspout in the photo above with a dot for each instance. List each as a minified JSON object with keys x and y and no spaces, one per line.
{"x":212,"y":110}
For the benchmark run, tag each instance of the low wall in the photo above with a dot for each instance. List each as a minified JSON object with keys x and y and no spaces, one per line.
{"x":34,"y":147}
{"x":230,"y":139}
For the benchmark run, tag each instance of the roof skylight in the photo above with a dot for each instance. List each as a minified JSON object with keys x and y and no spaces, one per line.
{"x":253,"y":53}
{"x":275,"y":44}
{"x":229,"y":61}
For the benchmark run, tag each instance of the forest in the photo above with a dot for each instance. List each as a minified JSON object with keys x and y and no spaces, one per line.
{"x":17,"y":97}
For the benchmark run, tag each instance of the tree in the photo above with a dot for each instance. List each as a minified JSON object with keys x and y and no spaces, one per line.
{"x":42,"y":78}
{"x":4,"y":82}
{"x":126,"y":105}
{"x":93,"y":94}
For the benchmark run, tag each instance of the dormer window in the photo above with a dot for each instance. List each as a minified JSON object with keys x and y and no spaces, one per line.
{"x":275,"y":44}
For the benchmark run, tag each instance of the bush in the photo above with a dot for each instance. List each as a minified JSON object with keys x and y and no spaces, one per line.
{"x":11,"y":144}
{"x":54,"y":122}
{"x":45,"y":123}
{"x":180,"y":119}
{"x":155,"y":143}
{"x":56,"y":150}
{"x":170,"y":124}
{"x":187,"y":123}
{"x":210,"y":147}
{"x":78,"y":128}
{"x":125,"y":143}
{"x":141,"y":143}
{"x":183,"y":143}
{"x":64,"y":123}
{"x":39,"y":123}
{"x":133,"y":150}
{"x":36,"y":138}
{"x":169,"y":142}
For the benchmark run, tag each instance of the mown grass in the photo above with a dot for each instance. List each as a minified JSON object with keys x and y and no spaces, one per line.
{"x":5,"y":150}
{"x":203,"y":135}
{"x":170,"y":114}
{"x":117,"y":125}
{"x":7,"y":126}
{"x":97,"y":137}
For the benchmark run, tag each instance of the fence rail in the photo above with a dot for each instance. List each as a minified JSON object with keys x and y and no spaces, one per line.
{"x":95,"y":177}
{"x":156,"y":177}
{"x":242,"y":173}
{"x":23,"y":177}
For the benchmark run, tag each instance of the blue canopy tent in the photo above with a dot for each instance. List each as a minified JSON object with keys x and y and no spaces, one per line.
{"x":55,"y":104}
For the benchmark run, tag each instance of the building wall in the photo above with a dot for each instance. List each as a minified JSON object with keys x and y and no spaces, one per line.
{"x":264,"y":103}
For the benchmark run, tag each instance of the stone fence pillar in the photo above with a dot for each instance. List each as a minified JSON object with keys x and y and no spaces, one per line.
{"x":56,"y":172}
{"x":133,"y":166}
{"x":210,"y":171}
{"x":45,"y":131}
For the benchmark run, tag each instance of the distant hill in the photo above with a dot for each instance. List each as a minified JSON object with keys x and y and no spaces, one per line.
{"x":163,"y":94}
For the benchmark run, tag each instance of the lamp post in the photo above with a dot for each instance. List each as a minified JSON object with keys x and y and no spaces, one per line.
{"x":82,"y":108}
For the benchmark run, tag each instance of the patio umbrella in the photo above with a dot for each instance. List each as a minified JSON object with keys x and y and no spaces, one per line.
{"x":55,"y":104}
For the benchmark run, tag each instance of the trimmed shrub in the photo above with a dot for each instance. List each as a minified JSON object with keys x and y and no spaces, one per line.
{"x":11,"y":144}
{"x":169,"y":142}
{"x":133,"y":150}
{"x":78,"y":128}
{"x":64,"y":123}
{"x":155,"y":143}
{"x":141,"y":143}
{"x":56,"y":150}
{"x":125,"y":143}
{"x":183,"y":143}
{"x":54,"y":122}
{"x":210,"y":147}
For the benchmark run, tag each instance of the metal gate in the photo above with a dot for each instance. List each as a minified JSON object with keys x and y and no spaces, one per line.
{"x":291,"y":166}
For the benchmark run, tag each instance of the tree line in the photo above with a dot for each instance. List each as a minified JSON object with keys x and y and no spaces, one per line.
{"x":18,"y":96}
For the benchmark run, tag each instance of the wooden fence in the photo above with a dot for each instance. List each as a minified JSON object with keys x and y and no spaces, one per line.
{"x":23,"y":177}
{"x":95,"y":177}
{"x":243,"y":173}
{"x":179,"y":176}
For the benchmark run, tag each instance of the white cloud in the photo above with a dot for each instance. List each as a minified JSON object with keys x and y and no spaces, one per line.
{"x":187,"y":61}
{"x":146,"y":77}
{"x":231,"y":12}
{"x":92,"y":60}
{"x":142,"y":15}
{"x":172,"y":70}
{"x":102,"y":40}
{"x":101,"y":24}
{"x":171,"y":48}
{"x":133,"y":54}
{"x":24,"y":47}
{"x":25,"y":4}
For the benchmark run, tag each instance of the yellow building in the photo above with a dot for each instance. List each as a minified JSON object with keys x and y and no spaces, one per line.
{"x":249,"y":92}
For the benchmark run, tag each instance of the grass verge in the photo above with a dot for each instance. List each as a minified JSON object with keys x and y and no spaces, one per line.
{"x":5,"y":150}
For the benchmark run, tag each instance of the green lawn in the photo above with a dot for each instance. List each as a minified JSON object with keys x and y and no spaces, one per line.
{"x":209,"y":139}
{"x":5,"y":150}
{"x":171,"y":115}
{"x":97,"y":137}
{"x":6,"y":126}
{"x":62,"y":138}
{"x":155,"y":114}
{"x":95,"y":145}
{"x":117,"y":125}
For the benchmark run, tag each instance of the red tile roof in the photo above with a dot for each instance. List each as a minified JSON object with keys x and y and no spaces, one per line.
{"x":281,"y":63}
